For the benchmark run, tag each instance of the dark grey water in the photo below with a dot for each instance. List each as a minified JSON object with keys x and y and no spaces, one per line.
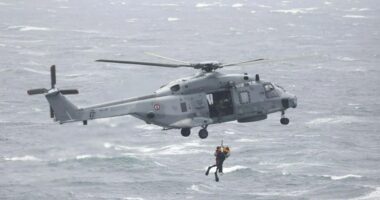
{"x":330,"y":150}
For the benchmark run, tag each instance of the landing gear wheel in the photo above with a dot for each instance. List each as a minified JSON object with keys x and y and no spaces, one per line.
{"x":203,"y":133}
{"x":284,"y":121}
{"x":185,"y":132}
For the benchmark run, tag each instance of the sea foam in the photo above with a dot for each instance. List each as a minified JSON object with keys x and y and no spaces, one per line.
{"x":22,"y":158}
{"x":342,"y":177}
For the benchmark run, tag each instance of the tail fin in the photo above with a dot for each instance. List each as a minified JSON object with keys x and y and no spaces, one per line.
{"x":56,"y":99}
{"x":64,"y":110}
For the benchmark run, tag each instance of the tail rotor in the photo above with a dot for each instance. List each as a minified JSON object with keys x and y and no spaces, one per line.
{"x":53,"y":83}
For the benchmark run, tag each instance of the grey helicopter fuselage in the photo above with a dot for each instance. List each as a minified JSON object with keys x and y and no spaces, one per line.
{"x":200,"y":100}
{"x":208,"y":97}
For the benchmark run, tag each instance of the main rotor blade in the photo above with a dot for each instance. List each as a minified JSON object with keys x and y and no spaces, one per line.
{"x":244,"y":62}
{"x":143,"y":63}
{"x":52,"y":76}
{"x":69,"y":91}
{"x":37,"y":91}
{"x":166,"y":58}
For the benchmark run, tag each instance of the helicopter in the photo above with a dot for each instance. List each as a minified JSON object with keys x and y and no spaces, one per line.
{"x":206,"y":98}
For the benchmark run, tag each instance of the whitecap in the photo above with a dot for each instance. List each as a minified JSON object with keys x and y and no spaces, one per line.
{"x":245,"y":140}
{"x":133,"y":198}
{"x":334,"y":120}
{"x":203,"y":5}
{"x":237,"y":5}
{"x":229,"y":132}
{"x":36,"y":71}
{"x":116,"y":147}
{"x":358,"y":9}
{"x":29,"y":28}
{"x":355,"y":16}
{"x":148,"y":127}
{"x":295,"y":11}
{"x":181,"y":149}
{"x":22,"y":158}
{"x":87,"y":31}
{"x":37,"y":109}
{"x":159,"y":164}
{"x":374,"y":195}
{"x":197,"y":189}
{"x":342,"y":177}
{"x":264,"y":6}
{"x":165,"y":4}
{"x":348,"y":59}
{"x":172,"y":19}
{"x":85,"y":156}
{"x":229,"y":169}
{"x":107,"y":121}
{"x":133,"y":20}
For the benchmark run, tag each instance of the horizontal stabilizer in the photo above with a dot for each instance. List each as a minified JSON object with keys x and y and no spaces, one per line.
{"x":69,"y":91}
{"x":37,"y":91}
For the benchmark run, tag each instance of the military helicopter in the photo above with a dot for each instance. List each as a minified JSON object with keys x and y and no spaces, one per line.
{"x":208,"y":97}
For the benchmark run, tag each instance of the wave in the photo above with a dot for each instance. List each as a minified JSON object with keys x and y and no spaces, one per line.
{"x":227,"y":170}
{"x":237,"y":5}
{"x":246,"y":140}
{"x":107,"y":121}
{"x":348,"y":59}
{"x":164,"y":4}
{"x":133,"y":198}
{"x":342,"y":177}
{"x":374,"y":195}
{"x":172,"y":19}
{"x":355,"y":16}
{"x":148,"y":127}
{"x":23,"y":158}
{"x":98,"y":158}
{"x":197,"y":189}
{"x":36,"y":71}
{"x":176,"y":149}
{"x":357,"y":9}
{"x":29,"y":28}
{"x":181,"y":149}
{"x":141,"y":149}
{"x":203,"y":5}
{"x":334,"y":120}
{"x":295,"y":11}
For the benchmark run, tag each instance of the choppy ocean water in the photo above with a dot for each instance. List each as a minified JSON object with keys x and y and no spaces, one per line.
{"x":330,"y":150}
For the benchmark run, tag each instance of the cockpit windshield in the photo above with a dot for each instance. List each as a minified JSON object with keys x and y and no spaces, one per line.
{"x":270,"y":91}
{"x":280,"y":87}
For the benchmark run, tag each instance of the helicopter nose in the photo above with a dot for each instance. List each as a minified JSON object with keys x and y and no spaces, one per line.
{"x":289,"y":101}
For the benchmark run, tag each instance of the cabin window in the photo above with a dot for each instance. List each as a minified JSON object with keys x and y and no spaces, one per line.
{"x":183,"y":107}
{"x":244,"y":97}
{"x":174,"y":88}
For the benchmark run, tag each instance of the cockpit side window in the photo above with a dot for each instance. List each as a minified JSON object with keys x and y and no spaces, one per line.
{"x":270,"y":92}
{"x":175,"y":88}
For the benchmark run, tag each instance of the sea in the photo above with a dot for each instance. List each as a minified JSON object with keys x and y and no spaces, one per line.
{"x":327,"y":52}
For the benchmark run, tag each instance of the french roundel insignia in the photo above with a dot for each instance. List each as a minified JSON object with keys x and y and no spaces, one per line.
{"x":156,"y":106}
